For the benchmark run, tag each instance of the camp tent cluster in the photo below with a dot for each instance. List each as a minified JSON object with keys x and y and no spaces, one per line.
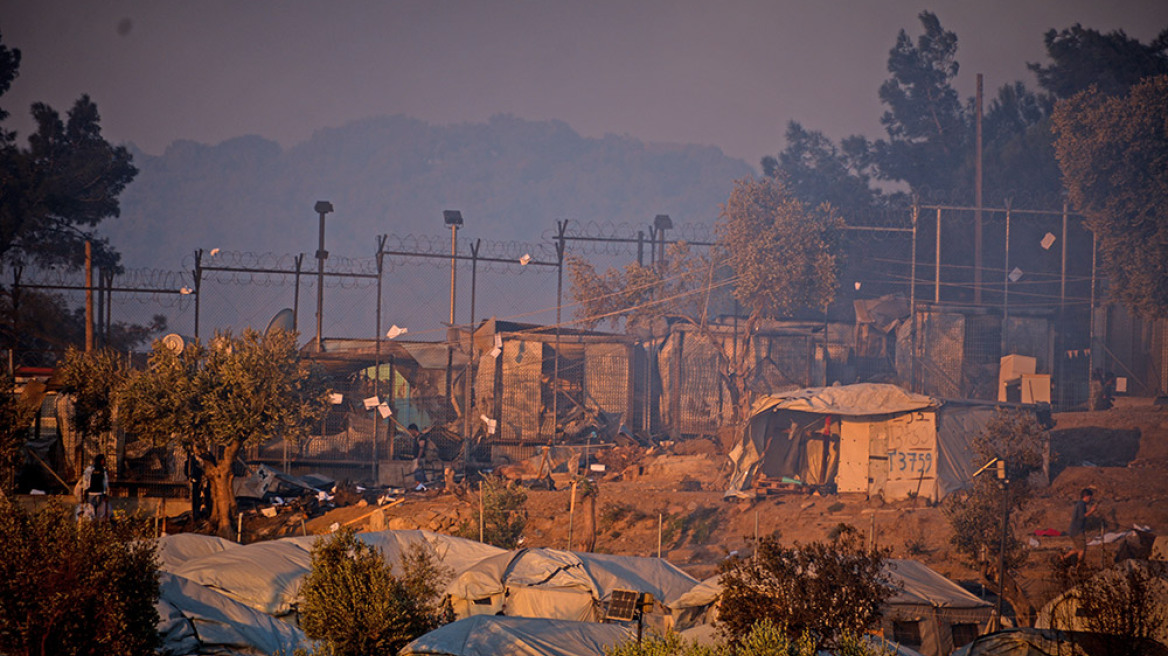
{"x":218,"y":597}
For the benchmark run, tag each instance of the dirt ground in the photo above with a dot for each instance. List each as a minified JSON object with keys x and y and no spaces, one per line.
{"x":676,"y":500}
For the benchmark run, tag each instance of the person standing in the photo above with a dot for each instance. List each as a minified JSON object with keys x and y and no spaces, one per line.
{"x":1084,"y":508}
{"x":420,"y":444}
{"x":94,"y":487}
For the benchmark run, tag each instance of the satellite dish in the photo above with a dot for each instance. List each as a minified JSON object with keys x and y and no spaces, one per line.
{"x":177,"y":342}
{"x":284,"y":320}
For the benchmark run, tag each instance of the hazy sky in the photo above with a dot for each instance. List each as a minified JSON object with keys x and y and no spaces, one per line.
{"x":729,"y":73}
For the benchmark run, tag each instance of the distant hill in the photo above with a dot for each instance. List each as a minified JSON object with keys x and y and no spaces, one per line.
{"x":510,"y":178}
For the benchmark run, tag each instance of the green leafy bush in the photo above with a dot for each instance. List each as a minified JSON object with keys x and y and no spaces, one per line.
{"x":355,"y":603}
{"x":825,"y":590}
{"x":504,"y":514}
{"x":74,"y":588}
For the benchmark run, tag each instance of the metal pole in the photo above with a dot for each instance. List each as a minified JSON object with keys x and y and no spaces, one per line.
{"x":377,"y":360}
{"x":1091,"y":319}
{"x":1006,"y":285}
{"x":977,"y":189}
{"x":1002,"y":550}
{"x":453,"y":281}
{"x":912,"y":298}
{"x":322,"y":208}
{"x":295,"y":293}
{"x":1063,"y":266}
{"x":937,"y":261}
{"x":198,"y":273}
{"x":561,"y":229}
{"x":88,"y":296}
{"x":466,"y":412}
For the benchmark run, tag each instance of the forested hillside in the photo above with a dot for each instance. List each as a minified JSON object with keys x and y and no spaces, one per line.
{"x":511,"y":178}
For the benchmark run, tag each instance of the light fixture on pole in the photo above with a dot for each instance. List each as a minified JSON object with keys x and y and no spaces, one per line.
{"x":452,"y":218}
{"x":322,"y":208}
{"x":662,"y":222}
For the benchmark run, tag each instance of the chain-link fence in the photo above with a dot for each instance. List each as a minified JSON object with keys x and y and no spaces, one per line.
{"x":1028,"y":290}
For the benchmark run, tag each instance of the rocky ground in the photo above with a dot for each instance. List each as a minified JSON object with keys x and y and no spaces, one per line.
{"x":675,"y":500}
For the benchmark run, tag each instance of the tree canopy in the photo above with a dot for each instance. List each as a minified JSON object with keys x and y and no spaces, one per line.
{"x":1113,"y":153}
{"x":62,"y":185}
{"x":774,"y":255}
{"x":215,"y":400}
{"x":826,"y":589}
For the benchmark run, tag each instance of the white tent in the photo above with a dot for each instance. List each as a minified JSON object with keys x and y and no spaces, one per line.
{"x":175,"y":550}
{"x":1062,"y":612}
{"x":930,"y":613}
{"x":551,"y":583}
{"x":195,"y":620}
{"x":928,"y":609}
{"x":491,"y":635}
{"x":267,"y":575}
{"x":868,"y":438}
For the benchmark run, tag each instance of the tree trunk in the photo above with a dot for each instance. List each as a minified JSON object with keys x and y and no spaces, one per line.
{"x":590,"y":544}
{"x":222,"y":494}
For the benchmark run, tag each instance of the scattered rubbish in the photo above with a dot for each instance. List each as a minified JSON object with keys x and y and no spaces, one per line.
{"x":334,"y":527}
{"x":36,"y":492}
{"x":270,"y":511}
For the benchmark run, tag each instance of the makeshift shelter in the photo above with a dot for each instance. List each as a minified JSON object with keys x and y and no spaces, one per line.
{"x":267,"y":575}
{"x":870,"y":437}
{"x":490,"y":635}
{"x":175,"y":550}
{"x":555,"y":584}
{"x":1063,"y":613}
{"x":930,"y":613}
{"x":1048,"y":642}
{"x":195,"y":620}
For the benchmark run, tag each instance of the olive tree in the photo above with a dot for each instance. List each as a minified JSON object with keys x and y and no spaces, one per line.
{"x":216,"y":400}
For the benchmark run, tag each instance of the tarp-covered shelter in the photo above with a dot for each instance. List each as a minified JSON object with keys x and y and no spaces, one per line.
{"x":1048,"y":642}
{"x":556,"y":584}
{"x":870,"y":437}
{"x":930,"y":613}
{"x":1063,"y":612}
{"x":491,"y":635}
{"x":267,"y":575}
{"x":174,"y":550}
{"x":195,"y":620}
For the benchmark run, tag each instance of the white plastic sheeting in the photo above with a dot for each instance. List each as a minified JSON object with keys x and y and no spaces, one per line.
{"x":175,"y":550}
{"x":492,"y":635}
{"x":551,"y":583}
{"x":195,"y":620}
{"x":267,"y":575}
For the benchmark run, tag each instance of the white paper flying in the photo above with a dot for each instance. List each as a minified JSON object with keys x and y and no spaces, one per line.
{"x":396,"y":331}
{"x":372,"y":402}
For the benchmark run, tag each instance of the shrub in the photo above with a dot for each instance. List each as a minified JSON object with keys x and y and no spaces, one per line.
{"x":356,"y":604}
{"x":72,"y":588}
{"x":824,"y":590}
{"x":765,"y":638}
{"x":504,"y":514}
